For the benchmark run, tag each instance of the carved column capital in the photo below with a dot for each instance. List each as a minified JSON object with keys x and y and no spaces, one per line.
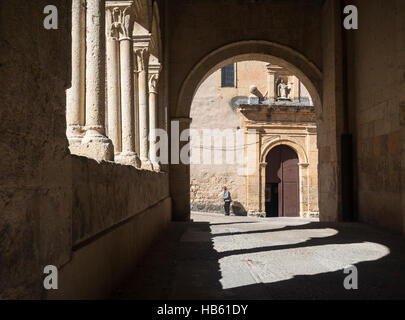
{"x":153,"y":82}
{"x":154,"y":71}
{"x":141,"y":50}
{"x":142,"y":58}
{"x":120,"y":19}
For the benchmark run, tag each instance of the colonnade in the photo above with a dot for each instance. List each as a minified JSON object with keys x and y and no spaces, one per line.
{"x":113,"y":77}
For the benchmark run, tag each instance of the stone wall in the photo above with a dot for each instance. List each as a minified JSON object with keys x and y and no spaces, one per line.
{"x":377,"y":98}
{"x":215,"y":107}
{"x":35,"y":170}
{"x":41,"y":183}
{"x":118,"y":211}
{"x":330,"y":116}
{"x":120,"y":192}
{"x":206,"y":189}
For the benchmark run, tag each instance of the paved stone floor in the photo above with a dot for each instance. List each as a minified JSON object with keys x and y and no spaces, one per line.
{"x":217,"y":257}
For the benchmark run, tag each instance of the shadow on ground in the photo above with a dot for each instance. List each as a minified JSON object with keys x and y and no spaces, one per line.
{"x":180,"y":266}
{"x":238,"y":209}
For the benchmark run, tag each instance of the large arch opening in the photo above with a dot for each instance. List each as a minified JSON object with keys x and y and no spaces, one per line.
{"x":254,"y":50}
{"x":262,"y":51}
{"x":231,"y":102}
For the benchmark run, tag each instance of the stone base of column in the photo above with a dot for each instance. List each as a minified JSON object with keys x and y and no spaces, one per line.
{"x":128,"y":158}
{"x":74,"y":140}
{"x":74,"y":134}
{"x":97,"y":146}
{"x":146,"y":164}
{"x":76,"y":149}
{"x":75,"y":143}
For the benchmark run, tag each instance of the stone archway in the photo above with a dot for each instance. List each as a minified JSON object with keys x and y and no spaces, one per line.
{"x":258,"y":50}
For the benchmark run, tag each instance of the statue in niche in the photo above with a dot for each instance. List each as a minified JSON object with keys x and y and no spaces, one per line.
{"x":283,"y":90}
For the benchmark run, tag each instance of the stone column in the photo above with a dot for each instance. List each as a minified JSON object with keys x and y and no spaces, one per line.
{"x":271,"y":91}
{"x":113,"y":94}
{"x":303,"y":190}
{"x":142,"y":55}
{"x":296,"y":96}
{"x":75,"y":95}
{"x":253,"y":146}
{"x":153,"y":113}
{"x":136,"y":106}
{"x":262,"y":201}
{"x":128,"y":154}
{"x":95,"y":143}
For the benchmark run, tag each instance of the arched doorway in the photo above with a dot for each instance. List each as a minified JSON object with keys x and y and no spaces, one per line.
{"x":282,"y":182}
{"x":258,"y":50}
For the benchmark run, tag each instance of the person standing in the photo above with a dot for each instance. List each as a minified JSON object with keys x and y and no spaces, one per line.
{"x":227,"y":201}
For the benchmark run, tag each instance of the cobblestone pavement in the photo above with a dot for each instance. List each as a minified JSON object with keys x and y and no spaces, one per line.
{"x":218,"y":257}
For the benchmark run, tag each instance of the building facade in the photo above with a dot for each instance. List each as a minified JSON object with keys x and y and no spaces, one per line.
{"x":253,"y":130}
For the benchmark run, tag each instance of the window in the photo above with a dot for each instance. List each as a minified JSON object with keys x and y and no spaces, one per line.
{"x":228,"y":76}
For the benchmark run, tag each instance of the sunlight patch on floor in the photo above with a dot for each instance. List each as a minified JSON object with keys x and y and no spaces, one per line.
{"x":252,"y":258}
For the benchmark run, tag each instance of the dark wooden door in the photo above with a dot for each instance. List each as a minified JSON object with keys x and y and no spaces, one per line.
{"x":283,"y":174}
